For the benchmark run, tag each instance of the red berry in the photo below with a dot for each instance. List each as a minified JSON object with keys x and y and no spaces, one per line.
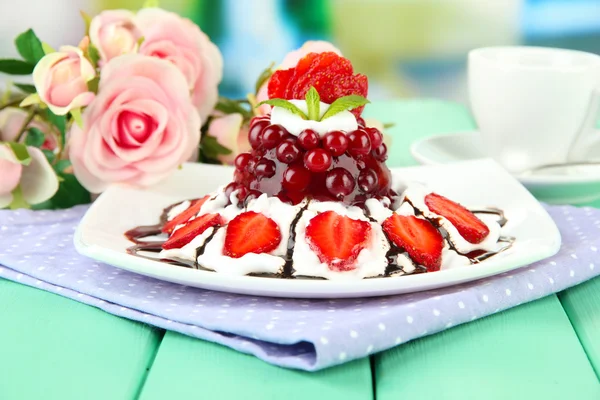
{"x":339,"y":182}
{"x":308,"y":139}
{"x":468,"y":225}
{"x":336,"y":239}
{"x":230,"y":188}
{"x":252,"y":194}
{"x":296,"y":178}
{"x":265,"y":168}
{"x":336,"y":142}
{"x":272,"y":135}
{"x":367,"y":180}
{"x":255,"y":134}
{"x":288,"y":152}
{"x":360,"y":121}
{"x":317,"y":160}
{"x":251,"y":232}
{"x":375,"y":136}
{"x":360,"y":144}
{"x":242,"y":160}
{"x":380,"y":152}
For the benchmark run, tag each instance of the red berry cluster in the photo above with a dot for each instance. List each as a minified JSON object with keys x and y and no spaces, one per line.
{"x":348,"y":167}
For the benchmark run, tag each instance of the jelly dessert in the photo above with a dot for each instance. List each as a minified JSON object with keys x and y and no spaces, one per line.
{"x":315,"y":199}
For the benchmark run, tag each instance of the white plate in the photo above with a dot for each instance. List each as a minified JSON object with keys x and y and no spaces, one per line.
{"x":572,"y":185}
{"x":475,"y":183}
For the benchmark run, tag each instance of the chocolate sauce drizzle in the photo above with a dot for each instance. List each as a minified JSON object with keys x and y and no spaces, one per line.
{"x":137,"y":234}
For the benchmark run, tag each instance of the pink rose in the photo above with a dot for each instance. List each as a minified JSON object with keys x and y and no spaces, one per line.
{"x":38,"y":181}
{"x":114,"y":33}
{"x":229,"y":133}
{"x":61,"y":79}
{"x":180,"y":41}
{"x":140,"y":127}
{"x":290,"y":61}
{"x":11,"y":121}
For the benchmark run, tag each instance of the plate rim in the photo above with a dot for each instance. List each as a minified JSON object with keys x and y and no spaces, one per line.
{"x":300,"y":288}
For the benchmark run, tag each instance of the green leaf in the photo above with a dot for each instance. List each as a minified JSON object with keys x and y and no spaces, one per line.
{"x":389,"y":125}
{"x":21,"y":153}
{"x":47,"y":48}
{"x":16,"y":67}
{"x":76,"y":115}
{"x":93,"y":85}
{"x":211,"y":148}
{"x":93,"y":54}
{"x":151,"y":4}
{"x":18,"y":200}
{"x":345,"y":103}
{"x":34,"y":137}
{"x":313,"y":103}
{"x":59,"y":121}
{"x":70,"y":192}
{"x":263,"y":77}
{"x":49,"y":154}
{"x":60,"y":166}
{"x":284,"y":104}
{"x":26,"y":88}
{"x":29,"y":46}
{"x":87,"y":19}
{"x":228,"y":106}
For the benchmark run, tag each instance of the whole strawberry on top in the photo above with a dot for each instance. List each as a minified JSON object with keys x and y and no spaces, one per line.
{"x":314,"y":144}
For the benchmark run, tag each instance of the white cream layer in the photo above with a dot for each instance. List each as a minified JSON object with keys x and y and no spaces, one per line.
{"x":343,"y":121}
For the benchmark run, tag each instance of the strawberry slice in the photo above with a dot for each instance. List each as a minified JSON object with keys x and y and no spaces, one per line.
{"x":468,"y":225}
{"x":251,"y":232}
{"x":336,"y":239}
{"x":421,"y":240}
{"x":185,"y":216}
{"x":189,"y":231}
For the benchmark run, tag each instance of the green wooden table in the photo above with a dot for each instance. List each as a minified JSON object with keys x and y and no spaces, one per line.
{"x":55,"y":348}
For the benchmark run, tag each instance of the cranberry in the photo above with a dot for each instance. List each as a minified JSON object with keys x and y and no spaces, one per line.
{"x":296,"y":178}
{"x":336,"y":142}
{"x":231,"y":187}
{"x":308,"y":139}
{"x":380,"y":152}
{"x":265,"y":168}
{"x":360,"y":144}
{"x":283,"y":197}
{"x":242,"y":160}
{"x":367,"y":180}
{"x":360,"y":121}
{"x":255,"y":134}
{"x":288,"y":152}
{"x":252,"y":194}
{"x":241,"y":193}
{"x":375,"y":136}
{"x":339,"y":182}
{"x":272,"y":135}
{"x":317,"y":160}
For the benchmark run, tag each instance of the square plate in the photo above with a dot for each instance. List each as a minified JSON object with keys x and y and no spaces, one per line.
{"x":474,"y":183}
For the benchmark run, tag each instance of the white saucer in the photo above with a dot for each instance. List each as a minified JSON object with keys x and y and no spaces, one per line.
{"x":571,"y":185}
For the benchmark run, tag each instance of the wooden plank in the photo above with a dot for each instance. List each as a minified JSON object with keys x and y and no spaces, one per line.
{"x":582,"y":305}
{"x":529,"y":352}
{"x":190,"y":368}
{"x":54,"y":348}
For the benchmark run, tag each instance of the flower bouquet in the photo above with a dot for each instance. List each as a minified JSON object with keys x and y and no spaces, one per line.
{"x":136,"y":98}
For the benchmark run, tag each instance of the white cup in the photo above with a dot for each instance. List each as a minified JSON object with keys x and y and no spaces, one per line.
{"x":535,"y":106}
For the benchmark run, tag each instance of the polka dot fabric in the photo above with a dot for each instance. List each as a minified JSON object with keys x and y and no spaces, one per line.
{"x":36,"y":249}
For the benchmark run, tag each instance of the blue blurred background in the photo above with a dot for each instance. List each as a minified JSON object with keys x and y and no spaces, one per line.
{"x":408,"y":48}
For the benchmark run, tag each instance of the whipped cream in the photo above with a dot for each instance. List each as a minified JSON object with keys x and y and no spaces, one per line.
{"x":343,"y":121}
{"x":178,"y":209}
{"x":371,"y":260}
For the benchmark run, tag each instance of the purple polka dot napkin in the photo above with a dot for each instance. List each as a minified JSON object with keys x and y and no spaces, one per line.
{"x":36,"y":249}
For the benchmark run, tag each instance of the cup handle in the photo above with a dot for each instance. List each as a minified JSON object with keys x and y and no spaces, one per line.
{"x":589,"y":137}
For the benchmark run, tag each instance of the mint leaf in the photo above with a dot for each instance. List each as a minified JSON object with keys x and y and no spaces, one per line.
{"x":25,"y":87}
{"x":34,"y":137}
{"x":313,"y":103}
{"x":21,"y":153}
{"x":16,"y":67}
{"x":263,"y":77}
{"x":284,"y":104}
{"x":345,"y":103}
{"x":29,"y":46}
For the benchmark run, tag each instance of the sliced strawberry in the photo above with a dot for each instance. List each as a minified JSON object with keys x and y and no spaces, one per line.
{"x":421,"y":240}
{"x":251,"y":232}
{"x":185,"y":216}
{"x":189,"y":231}
{"x":337,"y":239}
{"x":468,"y":225}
